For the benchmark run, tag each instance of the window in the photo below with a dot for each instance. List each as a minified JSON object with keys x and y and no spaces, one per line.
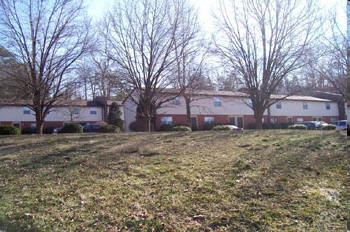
{"x":279,"y":105}
{"x":176,"y":101}
{"x":76,"y":110}
{"x":317,"y":119}
{"x":16,"y":124}
{"x":289,"y":119}
{"x":209,"y":120}
{"x":166,"y":120}
{"x":305,"y":106}
{"x":93,"y":111}
{"x":26,"y":110}
{"x":300,"y":119}
{"x":250,"y":103}
{"x":217,"y":102}
{"x":232,"y":120}
{"x":328,"y":106}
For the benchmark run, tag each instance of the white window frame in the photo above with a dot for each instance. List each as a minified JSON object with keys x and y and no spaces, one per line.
{"x":209,"y":120}
{"x":166,"y":120}
{"x":317,"y":118}
{"x":26,"y":110}
{"x":76,"y":110}
{"x":93,"y":110}
{"x":305,"y":106}
{"x":217,"y":102}
{"x":176,"y":101}
{"x":279,"y":105}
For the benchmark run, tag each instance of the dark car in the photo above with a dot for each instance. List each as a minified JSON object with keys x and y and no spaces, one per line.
{"x":91,"y":128}
{"x":311,"y":125}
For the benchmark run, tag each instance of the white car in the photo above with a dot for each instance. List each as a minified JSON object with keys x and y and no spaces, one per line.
{"x":341,"y":124}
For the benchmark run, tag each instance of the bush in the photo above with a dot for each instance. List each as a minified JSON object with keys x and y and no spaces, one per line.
{"x":298,"y":127}
{"x":72,"y":128}
{"x":9,"y":130}
{"x":136,"y":126}
{"x":329,"y":127}
{"x":181,"y":128}
{"x":166,"y":127}
{"x":221,"y":127}
{"x":109,"y":129}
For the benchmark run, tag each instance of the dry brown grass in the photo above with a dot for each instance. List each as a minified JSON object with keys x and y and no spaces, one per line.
{"x":202,"y":181}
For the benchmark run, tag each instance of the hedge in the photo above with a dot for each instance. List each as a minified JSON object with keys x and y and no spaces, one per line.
{"x":221,"y":127}
{"x":109,"y":129}
{"x":9,"y":130}
{"x":72,"y":128}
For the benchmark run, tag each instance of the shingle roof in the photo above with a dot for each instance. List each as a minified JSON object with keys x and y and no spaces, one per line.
{"x":80,"y":102}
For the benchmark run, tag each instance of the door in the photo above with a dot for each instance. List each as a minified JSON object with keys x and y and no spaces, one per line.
{"x":194,"y":123}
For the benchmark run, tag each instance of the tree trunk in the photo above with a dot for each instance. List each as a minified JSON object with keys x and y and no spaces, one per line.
{"x":188,"y":112}
{"x":147,"y":124}
{"x":39,"y":123}
{"x":258,"y":120}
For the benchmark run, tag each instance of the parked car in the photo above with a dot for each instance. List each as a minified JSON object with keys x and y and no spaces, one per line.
{"x":311,"y":125}
{"x":322,"y":123}
{"x":91,"y":128}
{"x":56,"y":130}
{"x":234,"y":128}
{"x":341,"y":124}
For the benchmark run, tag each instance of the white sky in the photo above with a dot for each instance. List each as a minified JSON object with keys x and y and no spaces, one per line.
{"x":205,"y":7}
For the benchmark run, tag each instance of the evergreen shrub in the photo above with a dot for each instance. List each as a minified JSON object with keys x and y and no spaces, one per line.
{"x":9,"y":130}
{"x":329,"y":127}
{"x":72,"y":128}
{"x":181,"y":128}
{"x":221,"y":127}
{"x":109,"y":129}
{"x":166,"y":127}
{"x":136,"y":126}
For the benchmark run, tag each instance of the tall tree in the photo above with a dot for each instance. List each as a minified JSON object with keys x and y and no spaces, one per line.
{"x":46,"y":37}
{"x":114,"y":116}
{"x":141,"y":37}
{"x":264,"y":42}
{"x":332,"y":62}
{"x":190,"y":55}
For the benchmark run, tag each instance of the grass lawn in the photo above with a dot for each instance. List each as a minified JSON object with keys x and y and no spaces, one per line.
{"x":271,"y":180}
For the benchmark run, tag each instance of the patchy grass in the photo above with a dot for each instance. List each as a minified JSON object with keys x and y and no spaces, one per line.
{"x":273,"y":180}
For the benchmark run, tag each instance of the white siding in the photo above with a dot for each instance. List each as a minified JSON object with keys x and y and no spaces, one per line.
{"x":15,"y":113}
{"x":129,"y":108}
{"x":205,"y":106}
{"x":295,"y":108}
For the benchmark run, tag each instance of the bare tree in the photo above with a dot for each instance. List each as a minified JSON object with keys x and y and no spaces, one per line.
{"x":190,"y":56}
{"x":46,"y":37}
{"x":264,"y":42}
{"x":141,"y":37}
{"x":332,"y":62}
